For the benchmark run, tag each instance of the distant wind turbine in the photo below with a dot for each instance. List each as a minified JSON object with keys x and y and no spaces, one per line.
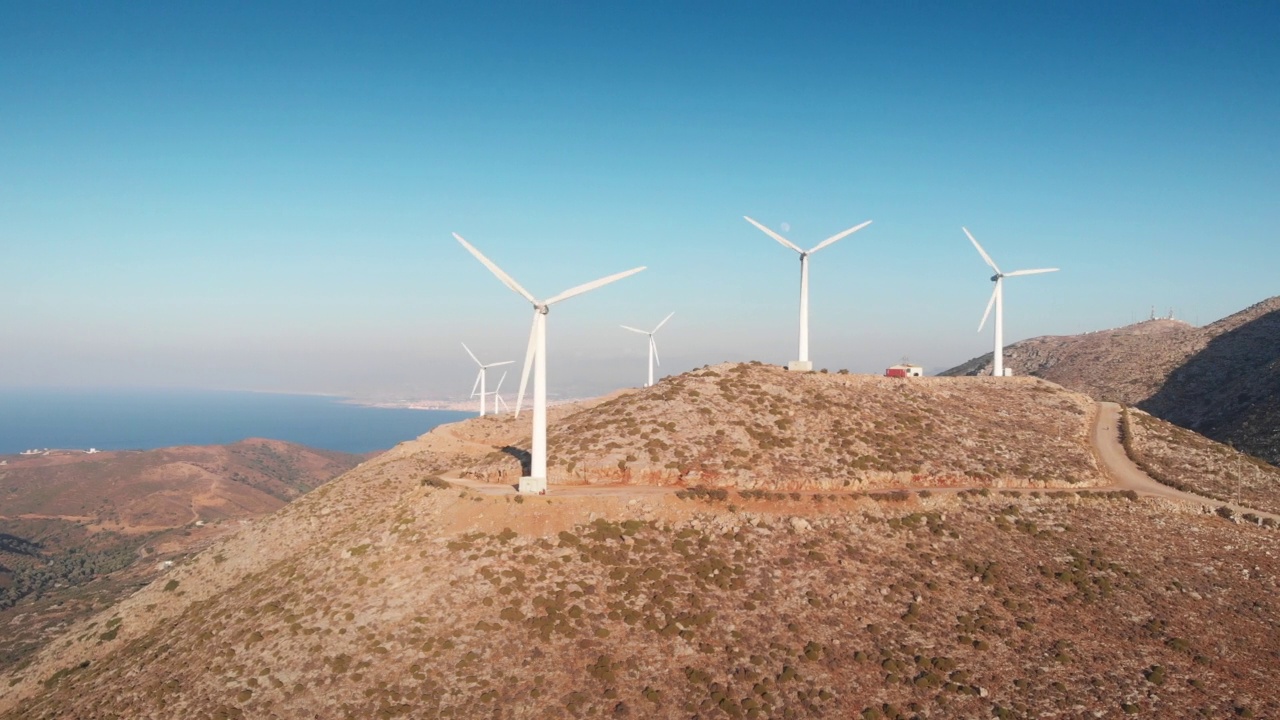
{"x":497,"y":396}
{"x":653,"y":345}
{"x":803,"y":363}
{"x":997,"y":299}
{"x":536,"y":356}
{"x":480,"y":378}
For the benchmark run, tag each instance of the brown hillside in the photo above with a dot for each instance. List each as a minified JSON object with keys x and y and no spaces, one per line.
{"x":380,"y":595}
{"x":758,"y":426}
{"x":143,"y":491}
{"x":1189,"y":461}
{"x":77,"y":530}
{"x":1222,"y":380}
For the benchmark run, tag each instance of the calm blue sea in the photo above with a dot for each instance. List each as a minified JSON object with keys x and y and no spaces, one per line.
{"x":147,"y":419}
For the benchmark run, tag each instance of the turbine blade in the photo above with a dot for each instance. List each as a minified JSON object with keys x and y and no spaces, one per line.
{"x":473,"y":355}
{"x":528,"y":362}
{"x":990,"y":303}
{"x":499,"y":364}
{"x":628,"y":327}
{"x":1016,"y":273}
{"x":587,"y":287}
{"x":982,"y":252}
{"x":838,"y":236}
{"x":500,"y":380}
{"x":774,"y":235}
{"x":654,"y":345}
{"x":664,"y":321}
{"x":505,"y":278}
{"x":475,"y":385}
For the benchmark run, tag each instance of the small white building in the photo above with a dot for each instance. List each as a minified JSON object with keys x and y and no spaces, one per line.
{"x":904,"y":371}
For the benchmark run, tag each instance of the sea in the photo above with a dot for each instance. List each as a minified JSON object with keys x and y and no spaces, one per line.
{"x":119,"y":419}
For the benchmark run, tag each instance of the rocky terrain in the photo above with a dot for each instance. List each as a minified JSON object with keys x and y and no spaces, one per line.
{"x":754,"y":426}
{"x":392,"y":593}
{"x":78,"y":530}
{"x":1221,"y":380}
{"x":1189,"y":461}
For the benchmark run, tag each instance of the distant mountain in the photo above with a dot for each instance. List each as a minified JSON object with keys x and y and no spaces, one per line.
{"x":151,"y":490}
{"x":1221,"y":380}
{"x":67,"y":519}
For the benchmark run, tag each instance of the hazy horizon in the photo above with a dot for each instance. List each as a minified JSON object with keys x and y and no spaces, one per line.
{"x":261,"y":199}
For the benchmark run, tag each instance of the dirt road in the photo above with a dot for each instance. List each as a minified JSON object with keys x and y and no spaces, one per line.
{"x":1105,"y":437}
{"x":1126,"y":475}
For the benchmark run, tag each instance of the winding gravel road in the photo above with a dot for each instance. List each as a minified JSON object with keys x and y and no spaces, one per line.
{"x":1115,"y":463}
{"x":1105,"y":438}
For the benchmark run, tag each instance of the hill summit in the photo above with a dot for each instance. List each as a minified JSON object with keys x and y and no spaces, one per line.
{"x":755,"y":426}
{"x":1221,"y":380}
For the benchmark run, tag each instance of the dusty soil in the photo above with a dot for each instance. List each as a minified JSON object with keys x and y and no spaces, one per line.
{"x":382,"y":595}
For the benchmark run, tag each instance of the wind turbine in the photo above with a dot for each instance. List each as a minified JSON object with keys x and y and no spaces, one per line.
{"x":653,"y":346}
{"x":536,"y":356}
{"x":497,"y":396}
{"x":480,"y":379}
{"x":997,"y":299}
{"x":803,"y":364}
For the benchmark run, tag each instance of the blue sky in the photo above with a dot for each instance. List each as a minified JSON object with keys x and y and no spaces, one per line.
{"x":261,"y":195}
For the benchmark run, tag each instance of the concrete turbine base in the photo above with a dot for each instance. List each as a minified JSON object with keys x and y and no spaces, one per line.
{"x":800,"y":366}
{"x":533,"y":485}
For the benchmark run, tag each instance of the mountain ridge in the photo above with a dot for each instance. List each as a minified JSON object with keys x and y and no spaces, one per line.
{"x":1221,"y":379}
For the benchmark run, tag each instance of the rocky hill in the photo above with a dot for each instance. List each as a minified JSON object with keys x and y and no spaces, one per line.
{"x":389,"y":593}
{"x":755,"y":426}
{"x":1222,"y":380}
{"x":76,"y":530}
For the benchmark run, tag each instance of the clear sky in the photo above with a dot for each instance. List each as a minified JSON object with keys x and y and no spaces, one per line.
{"x":260,"y":195}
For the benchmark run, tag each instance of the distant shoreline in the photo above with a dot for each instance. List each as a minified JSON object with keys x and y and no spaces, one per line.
{"x":454,"y":405}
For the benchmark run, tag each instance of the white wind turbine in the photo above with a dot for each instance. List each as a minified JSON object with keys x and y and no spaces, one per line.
{"x":803,"y":363}
{"x":497,"y":396}
{"x":480,"y":378}
{"x":536,"y":356}
{"x":997,"y":299}
{"x":653,"y":346}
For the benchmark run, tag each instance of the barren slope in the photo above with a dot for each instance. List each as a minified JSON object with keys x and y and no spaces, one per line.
{"x":68,"y":520}
{"x":1189,"y":461}
{"x":1222,"y":380}
{"x":377,"y":596}
{"x":756,"y":426}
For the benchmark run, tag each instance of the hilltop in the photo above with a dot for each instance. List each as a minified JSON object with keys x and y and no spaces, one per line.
{"x":1221,"y":380}
{"x":77,"y":530}
{"x":754,"y":426}
{"x":390,"y":592}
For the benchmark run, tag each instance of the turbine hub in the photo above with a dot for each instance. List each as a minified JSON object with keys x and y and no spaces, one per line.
{"x":996,"y":277}
{"x":544,"y":309}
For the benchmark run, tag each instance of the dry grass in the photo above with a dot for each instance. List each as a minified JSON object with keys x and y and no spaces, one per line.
{"x":1193,"y":463}
{"x":385,"y":594}
{"x":756,"y":426}
{"x":951,"y":607}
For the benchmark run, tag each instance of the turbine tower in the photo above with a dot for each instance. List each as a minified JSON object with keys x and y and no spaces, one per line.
{"x":480,"y":378}
{"x":536,"y":356}
{"x":803,"y":364}
{"x":997,"y":299}
{"x":653,"y":346}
